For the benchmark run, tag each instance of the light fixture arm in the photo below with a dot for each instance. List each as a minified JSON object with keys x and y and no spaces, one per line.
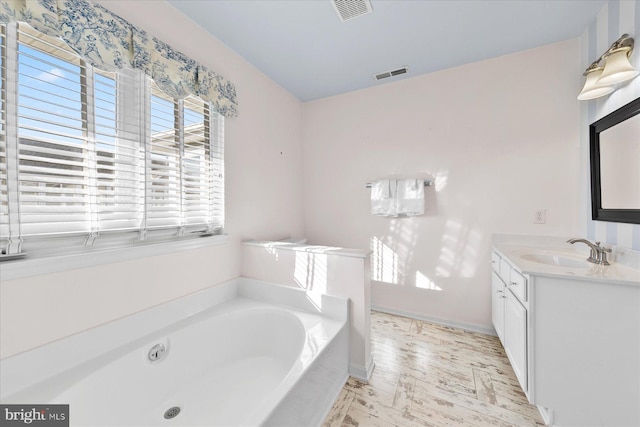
{"x":595,"y":66}
{"x":624,"y":43}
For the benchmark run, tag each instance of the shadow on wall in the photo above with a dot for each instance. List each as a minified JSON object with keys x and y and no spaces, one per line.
{"x":310,"y":268}
{"x":394,"y":260}
{"x":310,"y":273}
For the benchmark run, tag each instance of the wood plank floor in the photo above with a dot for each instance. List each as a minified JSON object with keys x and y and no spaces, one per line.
{"x":431,"y":375}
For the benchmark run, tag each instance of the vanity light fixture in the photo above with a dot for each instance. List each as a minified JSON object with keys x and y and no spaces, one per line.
{"x":617,"y":68}
{"x":592,"y":88}
{"x":600,"y":80}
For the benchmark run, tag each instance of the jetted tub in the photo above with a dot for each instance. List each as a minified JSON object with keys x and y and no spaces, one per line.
{"x":242,"y":361}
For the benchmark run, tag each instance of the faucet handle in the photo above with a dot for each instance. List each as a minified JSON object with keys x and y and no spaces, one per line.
{"x":602,"y":248}
{"x":602,"y":254}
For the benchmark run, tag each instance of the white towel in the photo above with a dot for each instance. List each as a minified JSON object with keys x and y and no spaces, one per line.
{"x":410,"y":197}
{"x":383,"y":198}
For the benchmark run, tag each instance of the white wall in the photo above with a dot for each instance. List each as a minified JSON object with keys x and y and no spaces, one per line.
{"x":501,"y":139}
{"x":263,"y":185}
{"x":615,"y":19}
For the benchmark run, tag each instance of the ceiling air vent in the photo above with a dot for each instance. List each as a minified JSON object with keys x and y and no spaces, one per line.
{"x":348,"y":9}
{"x":387,"y":74}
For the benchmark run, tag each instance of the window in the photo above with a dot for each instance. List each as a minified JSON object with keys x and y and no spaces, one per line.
{"x":101,"y":158}
{"x":4,"y":195}
{"x":184,"y":163}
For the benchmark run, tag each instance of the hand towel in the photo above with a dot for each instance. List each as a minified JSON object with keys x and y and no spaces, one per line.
{"x":410,"y":197}
{"x":383,"y":197}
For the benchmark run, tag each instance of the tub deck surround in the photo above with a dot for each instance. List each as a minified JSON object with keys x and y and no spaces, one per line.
{"x":233,"y":357}
{"x":301,"y":245}
{"x":320,"y":270}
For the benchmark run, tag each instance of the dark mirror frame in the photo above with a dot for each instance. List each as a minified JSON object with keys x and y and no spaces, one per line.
{"x":631,"y":216}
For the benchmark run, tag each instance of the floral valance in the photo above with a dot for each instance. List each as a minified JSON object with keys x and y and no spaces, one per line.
{"x":109,"y":42}
{"x":218,"y":90}
{"x":171,"y":70}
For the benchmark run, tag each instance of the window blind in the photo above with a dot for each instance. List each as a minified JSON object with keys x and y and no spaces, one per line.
{"x":217,"y":167}
{"x":185,"y":186}
{"x":197,"y":172}
{"x":100,"y":154}
{"x":54,"y":152}
{"x":163,"y":163}
{"x":119,"y":155}
{"x":4,"y":201}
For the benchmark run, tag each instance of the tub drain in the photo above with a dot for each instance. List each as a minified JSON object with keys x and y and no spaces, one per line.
{"x":171,"y":412}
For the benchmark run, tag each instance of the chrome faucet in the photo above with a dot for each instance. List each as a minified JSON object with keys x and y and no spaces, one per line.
{"x":598,"y":253}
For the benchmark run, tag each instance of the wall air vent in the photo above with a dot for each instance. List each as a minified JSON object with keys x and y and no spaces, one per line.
{"x":348,"y":9}
{"x":387,"y":74}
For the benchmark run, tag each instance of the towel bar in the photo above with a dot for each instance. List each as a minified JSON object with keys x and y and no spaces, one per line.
{"x":426,"y":184}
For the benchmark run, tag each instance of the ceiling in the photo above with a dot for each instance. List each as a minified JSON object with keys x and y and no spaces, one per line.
{"x":304,"y":47}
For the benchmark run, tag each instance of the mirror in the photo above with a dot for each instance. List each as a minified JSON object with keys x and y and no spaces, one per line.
{"x":615,"y":165}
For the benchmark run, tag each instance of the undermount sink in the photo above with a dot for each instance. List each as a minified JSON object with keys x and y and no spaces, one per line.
{"x":556,"y":260}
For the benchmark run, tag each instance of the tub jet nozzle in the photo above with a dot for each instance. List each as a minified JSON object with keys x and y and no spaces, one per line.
{"x":157,"y":352}
{"x":171,"y":412}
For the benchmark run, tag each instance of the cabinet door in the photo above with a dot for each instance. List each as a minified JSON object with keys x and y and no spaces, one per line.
{"x":515,"y":336}
{"x":497,"y":304}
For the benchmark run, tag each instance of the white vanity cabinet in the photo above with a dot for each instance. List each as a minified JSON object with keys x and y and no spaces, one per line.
{"x":571,"y":334}
{"x":509,"y":314}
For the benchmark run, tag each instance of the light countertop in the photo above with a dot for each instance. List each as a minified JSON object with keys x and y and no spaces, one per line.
{"x":519,"y":250}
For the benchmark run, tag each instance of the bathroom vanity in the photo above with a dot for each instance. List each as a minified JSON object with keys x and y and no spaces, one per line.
{"x":570,"y":328}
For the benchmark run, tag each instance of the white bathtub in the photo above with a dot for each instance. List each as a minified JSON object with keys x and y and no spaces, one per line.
{"x":239,"y":360}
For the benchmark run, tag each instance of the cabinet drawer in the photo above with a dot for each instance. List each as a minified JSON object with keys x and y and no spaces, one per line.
{"x":495,"y":262}
{"x":518,"y":285}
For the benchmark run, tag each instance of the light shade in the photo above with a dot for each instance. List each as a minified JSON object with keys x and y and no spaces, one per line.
{"x":593,"y":87}
{"x":617,"y":68}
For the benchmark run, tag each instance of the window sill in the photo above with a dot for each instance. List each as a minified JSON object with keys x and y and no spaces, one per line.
{"x":32,"y":267}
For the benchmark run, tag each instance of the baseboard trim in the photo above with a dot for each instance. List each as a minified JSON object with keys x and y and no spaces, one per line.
{"x":465,"y":326}
{"x":362,"y":373}
{"x":546,"y":414}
